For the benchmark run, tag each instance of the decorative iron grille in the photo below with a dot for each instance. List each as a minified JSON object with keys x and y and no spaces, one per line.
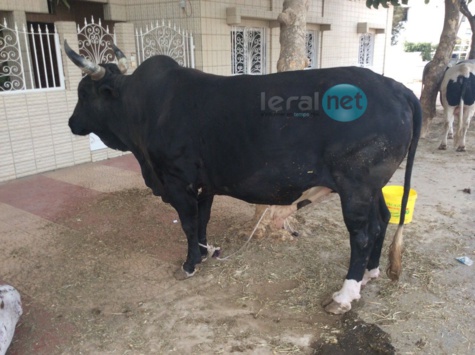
{"x":311,"y":49}
{"x":95,"y":42}
{"x":29,"y":60}
{"x":248,"y":50}
{"x":366,"y":49}
{"x":165,"y":39}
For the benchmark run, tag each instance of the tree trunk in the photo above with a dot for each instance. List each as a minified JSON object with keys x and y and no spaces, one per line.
{"x":293,"y":29}
{"x":471,"y":20}
{"x":437,"y":66}
{"x":293,"y":56}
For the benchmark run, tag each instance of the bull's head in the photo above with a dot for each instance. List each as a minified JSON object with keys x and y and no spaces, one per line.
{"x":99,"y":95}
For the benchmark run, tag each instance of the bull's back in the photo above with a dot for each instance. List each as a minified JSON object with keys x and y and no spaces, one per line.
{"x":276,"y":129}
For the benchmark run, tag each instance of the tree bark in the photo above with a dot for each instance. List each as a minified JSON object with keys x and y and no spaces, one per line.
{"x":293,"y":56}
{"x":471,"y":20}
{"x":437,"y":66}
{"x":293,"y":29}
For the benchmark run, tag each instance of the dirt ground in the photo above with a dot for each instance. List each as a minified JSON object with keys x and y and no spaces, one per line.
{"x":102,"y":282}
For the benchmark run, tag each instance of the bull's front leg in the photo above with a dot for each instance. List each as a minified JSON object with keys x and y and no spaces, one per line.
{"x":185,"y":201}
{"x":204,"y":212}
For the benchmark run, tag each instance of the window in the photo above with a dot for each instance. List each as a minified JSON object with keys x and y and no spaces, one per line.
{"x":366,"y":48}
{"x":45,"y":61}
{"x":30,"y":60}
{"x":311,"y":49}
{"x":248,"y":50}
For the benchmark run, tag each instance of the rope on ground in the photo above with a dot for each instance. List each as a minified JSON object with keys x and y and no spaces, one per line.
{"x":216,"y":251}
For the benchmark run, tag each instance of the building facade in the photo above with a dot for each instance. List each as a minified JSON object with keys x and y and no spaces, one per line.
{"x":229,"y":37}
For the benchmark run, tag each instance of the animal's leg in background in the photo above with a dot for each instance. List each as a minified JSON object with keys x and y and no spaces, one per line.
{"x":377,"y":227}
{"x":448,"y":126}
{"x":310,"y":196}
{"x":204,"y":212}
{"x":358,"y":205}
{"x":455,"y":112}
{"x":462,"y":131}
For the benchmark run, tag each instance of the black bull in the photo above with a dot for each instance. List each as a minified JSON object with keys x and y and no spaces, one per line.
{"x":262,"y":139}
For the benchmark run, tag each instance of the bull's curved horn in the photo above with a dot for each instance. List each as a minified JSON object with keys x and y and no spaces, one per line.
{"x":122,"y":61}
{"x":95,"y":71}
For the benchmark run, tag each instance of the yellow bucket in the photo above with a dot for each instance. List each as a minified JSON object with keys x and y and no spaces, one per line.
{"x":393,"y":197}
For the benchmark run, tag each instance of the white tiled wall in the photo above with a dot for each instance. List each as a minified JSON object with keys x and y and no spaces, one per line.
{"x":34,"y":132}
{"x":207,"y":21}
{"x":34,"y":135}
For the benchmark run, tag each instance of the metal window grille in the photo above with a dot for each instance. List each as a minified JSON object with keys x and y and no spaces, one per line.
{"x":95,"y":42}
{"x":366,"y":49}
{"x":30,"y":60}
{"x":167,"y":40}
{"x":311,"y":49}
{"x":248,"y":50}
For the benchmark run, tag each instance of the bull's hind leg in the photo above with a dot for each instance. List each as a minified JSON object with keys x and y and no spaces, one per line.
{"x":361,"y":215}
{"x":378,"y":228}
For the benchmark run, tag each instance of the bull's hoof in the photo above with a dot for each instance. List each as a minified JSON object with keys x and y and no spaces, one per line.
{"x":181,"y":274}
{"x":331,"y":306}
{"x":443,"y":146}
{"x":461,"y":149}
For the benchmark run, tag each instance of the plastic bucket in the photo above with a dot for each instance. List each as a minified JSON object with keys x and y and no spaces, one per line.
{"x":393,"y":197}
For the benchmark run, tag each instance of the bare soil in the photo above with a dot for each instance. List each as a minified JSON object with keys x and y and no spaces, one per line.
{"x":105,"y":279}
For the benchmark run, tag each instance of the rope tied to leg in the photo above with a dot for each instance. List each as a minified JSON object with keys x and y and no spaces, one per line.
{"x":215,"y":252}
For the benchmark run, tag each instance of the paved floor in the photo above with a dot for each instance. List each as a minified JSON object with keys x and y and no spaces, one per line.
{"x":30,"y":204}
{"x":49,"y":194}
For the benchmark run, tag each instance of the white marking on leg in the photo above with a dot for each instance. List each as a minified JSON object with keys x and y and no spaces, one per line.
{"x":370,"y":274}
{"x":348,"y":293}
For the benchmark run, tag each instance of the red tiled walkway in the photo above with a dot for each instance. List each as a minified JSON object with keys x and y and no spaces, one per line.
{"x":45,"y":197}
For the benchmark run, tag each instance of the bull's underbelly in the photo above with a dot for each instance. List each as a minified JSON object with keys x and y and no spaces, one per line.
{"x":283,"y":189}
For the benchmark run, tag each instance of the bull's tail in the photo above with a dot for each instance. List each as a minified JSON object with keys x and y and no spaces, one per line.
{"x":395,"y":250}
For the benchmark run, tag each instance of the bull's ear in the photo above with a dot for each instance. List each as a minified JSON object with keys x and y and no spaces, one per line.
{"x":108,"y":91}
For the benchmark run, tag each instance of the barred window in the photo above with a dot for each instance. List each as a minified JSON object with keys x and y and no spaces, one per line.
{"x":29,"y":58}
{"x":311,"y":49}
{"x":366,"y":49}
{"x":248,"y":50}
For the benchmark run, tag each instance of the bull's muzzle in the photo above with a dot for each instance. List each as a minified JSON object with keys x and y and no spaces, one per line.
{"x":76,"y":128}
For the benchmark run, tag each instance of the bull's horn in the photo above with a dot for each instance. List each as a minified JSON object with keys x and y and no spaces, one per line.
{"x":121,"y":59}
{"x":95,"y":71}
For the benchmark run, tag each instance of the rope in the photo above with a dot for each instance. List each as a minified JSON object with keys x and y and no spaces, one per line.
{"x":212,"y":250}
